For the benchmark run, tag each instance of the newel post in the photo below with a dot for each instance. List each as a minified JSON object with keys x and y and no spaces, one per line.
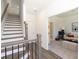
{"x":26,"y":30}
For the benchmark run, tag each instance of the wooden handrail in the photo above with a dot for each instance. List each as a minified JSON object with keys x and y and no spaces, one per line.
{"x":5,"y":10}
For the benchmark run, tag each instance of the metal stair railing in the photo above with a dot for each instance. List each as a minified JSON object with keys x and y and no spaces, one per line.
{"x":29,"y":47}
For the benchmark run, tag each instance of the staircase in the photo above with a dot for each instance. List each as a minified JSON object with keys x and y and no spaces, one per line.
{"x":13,"y":45}
{"x":12,"y":29}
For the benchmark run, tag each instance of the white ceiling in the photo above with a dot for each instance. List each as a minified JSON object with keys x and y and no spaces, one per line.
{"x":69,"y":13}
{"x":66,"y":14}
{"x":36,"y":5}
{"x":32,"y":5}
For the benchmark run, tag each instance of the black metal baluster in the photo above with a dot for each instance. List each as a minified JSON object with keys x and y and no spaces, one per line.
{"x":32,"y":50}
{"x":5,"y":53}
{"x":35,"y":51}
{"x":12,"y":52}
{"x":38,"y":50}
{"x":18,"y":51}
{"x":28,"y":50}
{"x":23,"y":51}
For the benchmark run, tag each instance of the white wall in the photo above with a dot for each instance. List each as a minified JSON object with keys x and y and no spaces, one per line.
{"x":13,"y":7}
{"x":55,"y":8}
{"x":68,"y":24}
{"x":13,"y":10}
{"x":30,"y":19}
{"x":43,"y":28}
{"x":3,"y":5}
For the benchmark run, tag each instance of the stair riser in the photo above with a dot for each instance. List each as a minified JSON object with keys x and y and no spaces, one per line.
{"x":7,"y":36}
{"x":12,"y":37}
{"x":13,"y":28}
{"x":12,"y":32}
{"x":13,"y":20}
{"x":11,"y":40}
{"x":12,"y":24}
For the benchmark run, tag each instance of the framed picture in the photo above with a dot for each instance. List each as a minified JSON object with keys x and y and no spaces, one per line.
{"x":75,"y":27}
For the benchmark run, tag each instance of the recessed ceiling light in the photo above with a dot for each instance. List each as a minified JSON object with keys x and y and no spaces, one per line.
{"x":34,"y":9}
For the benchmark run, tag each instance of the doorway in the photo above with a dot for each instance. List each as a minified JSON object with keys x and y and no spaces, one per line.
{"x":50,"y":31}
